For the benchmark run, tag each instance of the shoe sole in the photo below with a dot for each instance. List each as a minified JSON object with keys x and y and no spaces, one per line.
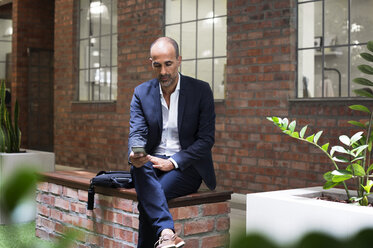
{"x":180,"y":244}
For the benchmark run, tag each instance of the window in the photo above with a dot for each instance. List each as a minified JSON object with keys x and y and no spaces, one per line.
{"x":200,"y":28}
{"x":98,"y":50}
{"x":331,"y":35}
{"x":5,"y":50}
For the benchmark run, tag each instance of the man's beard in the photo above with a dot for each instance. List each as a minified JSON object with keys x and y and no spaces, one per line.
{"x":168,"y":82}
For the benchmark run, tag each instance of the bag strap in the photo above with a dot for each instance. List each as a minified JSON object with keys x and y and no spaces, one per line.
{"x":91,"y":197}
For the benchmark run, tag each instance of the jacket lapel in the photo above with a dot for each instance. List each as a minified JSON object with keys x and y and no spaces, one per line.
{"x":157,"y":105}
{"x":182,"y":100}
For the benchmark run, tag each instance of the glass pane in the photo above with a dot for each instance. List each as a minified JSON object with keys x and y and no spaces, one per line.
{"x":5,"y":47}
{"x":84,"y":18}
{"x":189,"y":9}
{"x":105,"y":12}
{"x":205,"y":38}
{"x":173,"y":32}
{"x":220,"y":36}
{"x":309,"y":72}
{"x":114,"y":21}
{"x":220,"y":66}
{"x":188,"y":68}
{"x":95,"y":13}
{"x":105,"y":84}
{"x":105,"y":51}
{"x":188,"y":40}
{"x":2,"y":70}
{"x":356,"y":60}
{"x":204,"y":70}
{"x":95,"y":82}
{"x":336,"y":19}
{"x":83,"y":54}
{"x":220,"y":7}
{"x":309,"y":24}
{"x":114,"y":83}
{"x":114,"y":51}
{"x":95,"y":53}
{"x":205,"y":9}
{"x":172,"y":11}
{"x":6,"y":29}
{"x":361,"y":21}
{"x":335,"y":73}
{"x":83,"y":85}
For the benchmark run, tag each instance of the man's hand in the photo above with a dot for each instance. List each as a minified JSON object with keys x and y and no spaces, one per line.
{"x":161,"y":164}
{"x":138,"y":159}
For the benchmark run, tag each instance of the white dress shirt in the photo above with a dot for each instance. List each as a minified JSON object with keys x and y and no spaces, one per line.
{"x":170,"y":143}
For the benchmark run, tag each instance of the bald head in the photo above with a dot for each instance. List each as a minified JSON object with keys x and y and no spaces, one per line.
{"x":164,"y":42}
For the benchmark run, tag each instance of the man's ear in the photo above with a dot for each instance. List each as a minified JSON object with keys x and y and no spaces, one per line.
{"x":179,"y":60}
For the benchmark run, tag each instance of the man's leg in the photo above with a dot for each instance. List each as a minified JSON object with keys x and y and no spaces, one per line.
{"x":153,"y":208}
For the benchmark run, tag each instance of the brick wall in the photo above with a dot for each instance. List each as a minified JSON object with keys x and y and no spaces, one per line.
{"x":114,"y":221}
{"x":33,"y":23}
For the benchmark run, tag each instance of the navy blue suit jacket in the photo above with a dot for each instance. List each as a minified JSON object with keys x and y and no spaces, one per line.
{"x":196,"y":124}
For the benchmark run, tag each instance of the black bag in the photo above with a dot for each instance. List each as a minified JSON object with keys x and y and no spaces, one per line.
{"x":111,"y":179}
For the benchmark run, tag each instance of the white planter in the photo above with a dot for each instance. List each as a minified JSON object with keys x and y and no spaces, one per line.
{"x":11,"y":162}
{"x":287,"y":215}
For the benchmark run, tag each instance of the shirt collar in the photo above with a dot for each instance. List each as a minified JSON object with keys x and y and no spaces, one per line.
{"x":177,"y":86}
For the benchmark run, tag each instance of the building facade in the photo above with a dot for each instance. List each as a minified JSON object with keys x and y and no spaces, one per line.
{"x":264,"y":59}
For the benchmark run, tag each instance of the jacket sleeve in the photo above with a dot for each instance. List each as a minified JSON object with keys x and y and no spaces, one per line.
{"x":138,"y":125}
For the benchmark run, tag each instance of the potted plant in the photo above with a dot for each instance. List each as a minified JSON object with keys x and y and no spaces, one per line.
{"x":12,"y":158}
{"x":297,"y":211}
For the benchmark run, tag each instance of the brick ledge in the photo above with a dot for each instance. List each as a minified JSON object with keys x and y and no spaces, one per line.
{"x":79,"y":179}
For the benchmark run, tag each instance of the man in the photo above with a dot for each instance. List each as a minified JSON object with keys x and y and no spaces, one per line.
{"x":173,"y":118}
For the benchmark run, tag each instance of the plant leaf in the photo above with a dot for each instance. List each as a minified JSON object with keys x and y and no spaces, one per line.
{"x":370,"y":45}
{"x":357,"y":158}
{"x":356,"y":152}
{"x":317,"y":136}
{"x":356,"y":123}
{"x":363,"y":92}
{"x":368,"y":187}
{"x":367,"y":69}
{"x":310,"y":138}
{"x":294,"y":134}
{"x":345,"y":139}
{"x":358,"y":170}
{"x":341,"y":175}
{"x":329,"y":185}
{"x":369,"y":169}
{"x":340,"y":149}
{"x":292,"y":126}
{"x":328,"y":176}
{"x":367,"y":56}
{"x":360,"y":108}
{"x":363,"y":81}
{"x":325,"y":147}
{"x":303,"y":131}
{"x":357,"y":136}
{"x":340,"y":159}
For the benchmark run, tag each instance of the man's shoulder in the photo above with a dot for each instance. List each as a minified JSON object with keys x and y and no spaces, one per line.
{"x":194,"y":82}
{"x":146,"y":86}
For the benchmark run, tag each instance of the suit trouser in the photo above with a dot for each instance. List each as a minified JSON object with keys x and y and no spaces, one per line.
{"x":154,"y":188}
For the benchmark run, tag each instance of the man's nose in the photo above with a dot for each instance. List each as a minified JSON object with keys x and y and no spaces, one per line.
{"x":163,"y":70}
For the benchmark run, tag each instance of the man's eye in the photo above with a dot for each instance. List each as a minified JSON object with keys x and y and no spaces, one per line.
{"x":168,"y":64}
{"x":157,"y":65}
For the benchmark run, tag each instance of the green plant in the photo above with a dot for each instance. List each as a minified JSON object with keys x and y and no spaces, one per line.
{"x":356,"y":150}
{"x":10,"y":135}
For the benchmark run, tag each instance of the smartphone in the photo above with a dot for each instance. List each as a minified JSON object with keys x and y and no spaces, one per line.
{"x":139,"y":149}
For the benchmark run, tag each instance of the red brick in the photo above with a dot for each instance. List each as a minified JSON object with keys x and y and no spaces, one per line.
{"x":215,"y":241}
{"x":185,"y":212}
{"x":216,"y":208}
{"x":198,"y":226}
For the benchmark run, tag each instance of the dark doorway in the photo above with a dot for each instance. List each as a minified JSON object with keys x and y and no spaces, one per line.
{"x":40,"y":99}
